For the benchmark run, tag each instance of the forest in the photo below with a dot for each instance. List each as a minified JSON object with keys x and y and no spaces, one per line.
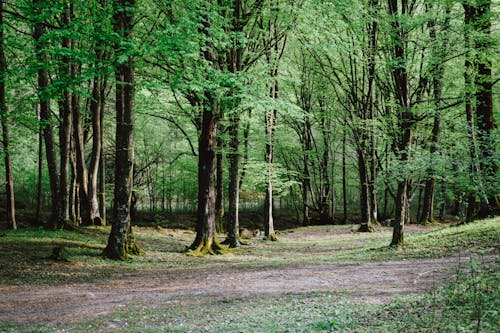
{"x":240,"y":121}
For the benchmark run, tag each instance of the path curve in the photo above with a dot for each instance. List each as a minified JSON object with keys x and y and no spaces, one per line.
{"x":375,"y":283}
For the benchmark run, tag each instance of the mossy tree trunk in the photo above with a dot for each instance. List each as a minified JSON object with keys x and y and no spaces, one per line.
{"x":206,"y":237}
{"x":121,"y":242}
{"x":206,"y":241}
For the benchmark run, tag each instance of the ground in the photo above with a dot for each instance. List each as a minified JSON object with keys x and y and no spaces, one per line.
{"x":320,"y":260}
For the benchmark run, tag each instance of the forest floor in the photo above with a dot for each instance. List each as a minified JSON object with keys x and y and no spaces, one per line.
{"x":314,"y":265}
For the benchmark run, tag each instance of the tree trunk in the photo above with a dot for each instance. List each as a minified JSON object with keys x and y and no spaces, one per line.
{"x":206,"y":238}
{"x":269,"y":159}
{"x":102,"y":164}
{"x":325,"y":217}
{"x":219,"y":193}
{"x":63,"y":220}
{"x":206,"y":241}
{"x":400,"y":217}
{"x":121,"y":242}
{"x":364,"y":191}
{"x":484,"y":106}
{"x":4,"y":116}
{"x":233,"y":192}
{"x":437,"y":73}
{"x":81,"y":166}
{"x":45,"y":114}
{"x":306,"y":177}
{"x":405,"y":118}
{"x":372,"y":53}
{"x":344,"y":176}
{"x":95,"y":108}
{"x":39,"y":189}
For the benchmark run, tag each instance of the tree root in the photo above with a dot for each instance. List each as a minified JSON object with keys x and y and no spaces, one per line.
{"x":206,"y":246}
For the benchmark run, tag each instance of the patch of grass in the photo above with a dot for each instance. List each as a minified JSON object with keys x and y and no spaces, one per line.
{"x":471,"y":303}
{"x":265,"y":313}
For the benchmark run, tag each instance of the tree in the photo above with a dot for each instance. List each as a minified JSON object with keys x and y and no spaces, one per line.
{"x":4,"y":117}
{"x":405,"y":119}
{"x":121,"y":242}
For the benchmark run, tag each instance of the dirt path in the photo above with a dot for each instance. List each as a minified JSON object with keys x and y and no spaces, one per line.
{"x":368,"y":283}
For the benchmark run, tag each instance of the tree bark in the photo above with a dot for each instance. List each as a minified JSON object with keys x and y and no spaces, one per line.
{"x":405,"y":118}
{"x":219,"y":195}
{"x":4,"y":116}
{"x":63,"y":220}
{"x":81,"y":166}
{"x":484,"y":106}
{"x":437,"y":73}
{"x":121,"y":242}
{"x":234,"y":181}
{"x":206,"y":240}
{"x":95,"y":108}
{"x":365,"y":225}
{"x":45,"y":114}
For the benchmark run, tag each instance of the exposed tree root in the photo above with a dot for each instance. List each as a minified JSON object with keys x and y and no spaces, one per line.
{"x":206,"y":246}
{"x":430,"y":223}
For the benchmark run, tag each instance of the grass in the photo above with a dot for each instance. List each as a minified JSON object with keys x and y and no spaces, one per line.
{"x":469,"y":301}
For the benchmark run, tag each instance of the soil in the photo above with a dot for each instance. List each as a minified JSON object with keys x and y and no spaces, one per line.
{"x":372,"y":283}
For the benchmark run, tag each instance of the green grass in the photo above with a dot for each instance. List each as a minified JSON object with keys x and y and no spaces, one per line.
{"x":470,"y":303}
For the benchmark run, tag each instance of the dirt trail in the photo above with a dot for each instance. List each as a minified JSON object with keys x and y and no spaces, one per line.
{"x":375,"y":282}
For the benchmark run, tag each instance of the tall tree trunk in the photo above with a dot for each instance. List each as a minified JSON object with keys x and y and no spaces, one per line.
{"x":81,"y":166}
{"x":102,"y":164}
{"x":45,"y":114}
{"x":234,"y":181}
{"x":121,"y":242}
{"x":63,"y":220}
{"x":405,"y":117}
{"x":206,"y":238}
{"x":372,"y":52}
{"x":344,"y":176}
{"x":306,"y":176}
{"x":484,"y":106}
{"x":4,"y":116}
{"x":39,"y":188}
{"x":269,"y":159}
{"x":325,"y":216}
{"x":206,"y":241}
{"x":95,"y":108}
{"x":437,"y":73}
